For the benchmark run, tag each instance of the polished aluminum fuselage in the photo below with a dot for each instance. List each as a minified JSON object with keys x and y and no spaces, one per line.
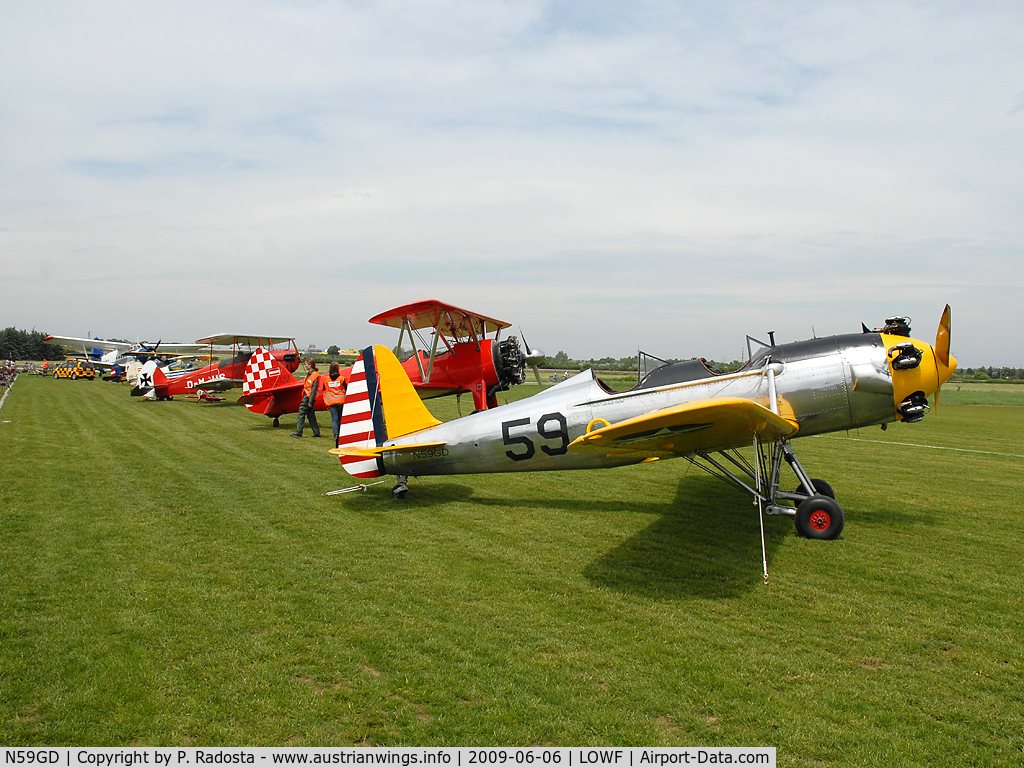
{"x":825,"y":385}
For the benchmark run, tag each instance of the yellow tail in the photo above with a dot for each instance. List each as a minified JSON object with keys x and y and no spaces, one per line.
{"x":404,"y":411}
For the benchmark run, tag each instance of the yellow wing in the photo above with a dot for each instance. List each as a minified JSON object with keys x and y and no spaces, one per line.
{"x":682,"y":430}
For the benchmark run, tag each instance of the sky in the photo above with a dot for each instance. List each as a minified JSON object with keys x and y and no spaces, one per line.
{"x":608,"y":177}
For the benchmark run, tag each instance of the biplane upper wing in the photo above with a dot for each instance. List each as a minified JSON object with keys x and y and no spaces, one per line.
{"x":449,"y":320}
{"x":682,"y":430}
{"x":228,"y":339}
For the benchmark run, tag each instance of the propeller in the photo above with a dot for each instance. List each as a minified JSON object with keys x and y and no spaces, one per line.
{"x":942,"y":339}
{"x":533,"y":356}
{"x":943,"y":368}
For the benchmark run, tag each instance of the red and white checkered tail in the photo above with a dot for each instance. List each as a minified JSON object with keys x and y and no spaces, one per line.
{"x":264,"y":372}
{"x":362,"y":420}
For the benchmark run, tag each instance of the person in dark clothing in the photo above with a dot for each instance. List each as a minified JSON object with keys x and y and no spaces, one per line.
{"x":307,"y":408}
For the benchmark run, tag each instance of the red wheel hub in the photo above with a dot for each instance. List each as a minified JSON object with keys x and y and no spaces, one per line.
{"x":820,"y":520}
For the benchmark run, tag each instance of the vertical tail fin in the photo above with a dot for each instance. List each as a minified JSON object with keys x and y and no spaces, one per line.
{"x":149,"y":377}
{"x":264,"y":372}
{"x":380,"y":404}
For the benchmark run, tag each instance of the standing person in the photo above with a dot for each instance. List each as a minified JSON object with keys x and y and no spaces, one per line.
{"x":334,"y":397}
{"x":308,"y":406}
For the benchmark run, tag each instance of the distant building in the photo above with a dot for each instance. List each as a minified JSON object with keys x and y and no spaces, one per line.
{"x":312,"y":349}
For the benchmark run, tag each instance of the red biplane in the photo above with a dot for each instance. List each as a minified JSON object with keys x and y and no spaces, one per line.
{"x":226,"y":374}
{"x":459,"y":357}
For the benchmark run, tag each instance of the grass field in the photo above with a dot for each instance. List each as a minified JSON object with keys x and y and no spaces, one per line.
{"x":171,"y":574}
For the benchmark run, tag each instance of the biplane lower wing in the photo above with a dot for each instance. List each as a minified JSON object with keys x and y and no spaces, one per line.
{"x":265,"y":398}
{"x":683,"y":430}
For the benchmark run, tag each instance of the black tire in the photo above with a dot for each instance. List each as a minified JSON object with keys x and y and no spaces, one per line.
{"x":823,"y":488}
{"x":276,"y":423}
{"x":399,"y":491}
{"x":819,"y":517}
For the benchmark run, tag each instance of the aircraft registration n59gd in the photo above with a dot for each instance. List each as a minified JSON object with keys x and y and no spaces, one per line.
{"x":680,"y":410}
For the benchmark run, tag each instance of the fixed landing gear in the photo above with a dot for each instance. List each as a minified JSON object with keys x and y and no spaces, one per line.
{"x":817,"y":515}
{"x":277,"y":423}
{"x":401,"y":488}
{"x":820,"y":487}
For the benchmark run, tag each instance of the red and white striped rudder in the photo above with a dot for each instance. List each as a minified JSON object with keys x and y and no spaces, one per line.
{"x":362,"y":420}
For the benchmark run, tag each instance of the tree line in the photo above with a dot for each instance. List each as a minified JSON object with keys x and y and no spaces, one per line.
{"x":31,"y":345}
{"x":991,"y":373}
{"x":562,"y":360}
{"x":27,"y":345}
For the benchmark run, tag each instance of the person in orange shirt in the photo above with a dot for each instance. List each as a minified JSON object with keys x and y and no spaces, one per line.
{"x":334,"y":387}
{"x":307,"y":408}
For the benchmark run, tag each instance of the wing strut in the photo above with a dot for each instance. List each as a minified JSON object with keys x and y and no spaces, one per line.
{"x":407,"y":326}
{"x":433,"y":354}
{"x":761,"y":480}
{"x":758,"y":464}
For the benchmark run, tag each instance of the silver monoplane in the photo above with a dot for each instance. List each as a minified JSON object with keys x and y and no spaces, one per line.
{"x":679,"y":410}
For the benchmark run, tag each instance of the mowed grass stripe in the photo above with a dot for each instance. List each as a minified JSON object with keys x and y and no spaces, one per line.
{"x":174,"y":576}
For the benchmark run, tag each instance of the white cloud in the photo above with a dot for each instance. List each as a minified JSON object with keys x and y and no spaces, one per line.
{"x":615,"y":175}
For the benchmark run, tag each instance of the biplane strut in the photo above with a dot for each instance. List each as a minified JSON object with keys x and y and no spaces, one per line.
{"x":816,"y":513}
{"x":407,"y":328}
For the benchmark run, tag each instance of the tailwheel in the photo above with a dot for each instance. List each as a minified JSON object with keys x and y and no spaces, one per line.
{"x":820,"y":487}
{"x":400,"y":488}
{"x":819,"y":517}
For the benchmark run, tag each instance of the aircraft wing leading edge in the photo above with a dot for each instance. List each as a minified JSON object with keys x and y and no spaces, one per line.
{"x":682,"y":430}
{"x":436,"y":314}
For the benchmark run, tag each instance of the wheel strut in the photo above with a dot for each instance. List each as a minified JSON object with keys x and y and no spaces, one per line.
{"x":401,"y":487}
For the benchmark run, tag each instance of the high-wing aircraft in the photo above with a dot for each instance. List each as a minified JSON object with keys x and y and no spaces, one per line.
{"x":154,"y":383}
{"x":109,"y":353}
{"x":679,"y":410}
{"x":469,"y":361}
